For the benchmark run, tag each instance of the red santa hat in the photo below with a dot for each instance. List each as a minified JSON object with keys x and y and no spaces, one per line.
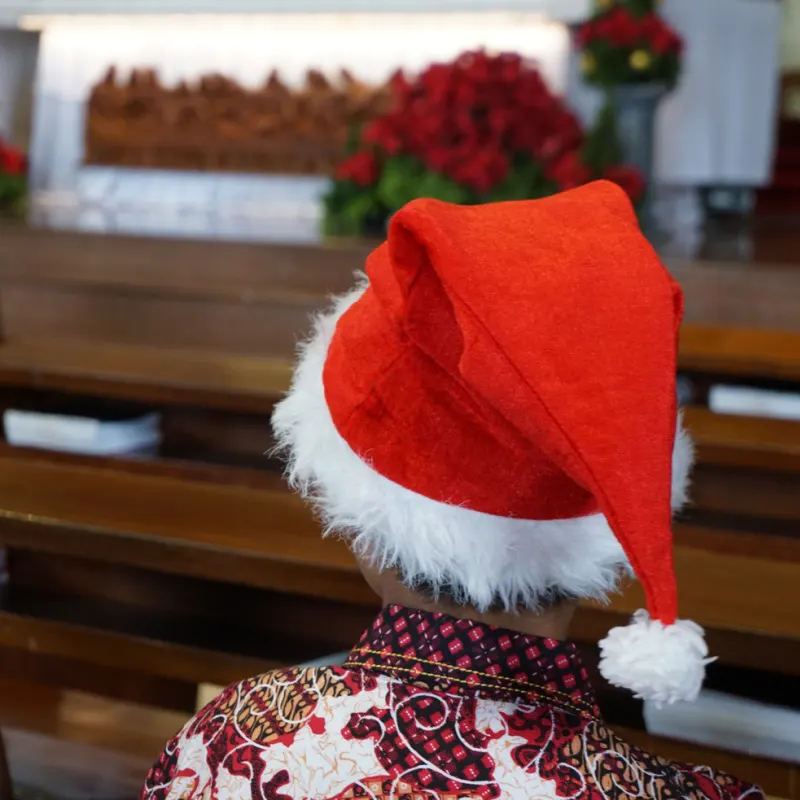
{"x":493,"y":413}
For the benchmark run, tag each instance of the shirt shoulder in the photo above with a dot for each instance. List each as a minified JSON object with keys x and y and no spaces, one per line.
{"x":718,"y":785}
{"x":336,"y":733}
{"x":267,"y":712}
{"x":667,"y":779}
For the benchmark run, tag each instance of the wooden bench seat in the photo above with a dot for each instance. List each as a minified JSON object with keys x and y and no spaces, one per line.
{"x":266,"y":537}
{"x":740,"y":352}
{"x":145,"y":374}
{"x":200,"y":566}
{"x":227,"y":270}
{"x":736,"y":441}
{"x":251,"y":383}
{"x":200,"y":522}
{"x":126,"y":651}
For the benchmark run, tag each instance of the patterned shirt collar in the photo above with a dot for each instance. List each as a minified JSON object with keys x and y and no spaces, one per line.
{"x":435,"y":649}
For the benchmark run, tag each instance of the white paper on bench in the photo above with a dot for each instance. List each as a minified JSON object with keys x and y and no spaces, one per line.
{"x":751,"y":402}
{"x":732,"y":723}
{"x":83,"y":435}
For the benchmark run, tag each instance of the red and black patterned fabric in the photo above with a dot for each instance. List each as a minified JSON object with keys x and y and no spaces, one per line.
{"x":429,"y":646}
{"x":427,"y":707}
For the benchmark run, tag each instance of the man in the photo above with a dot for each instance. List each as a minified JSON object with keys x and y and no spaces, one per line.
{"x":491,"y":423}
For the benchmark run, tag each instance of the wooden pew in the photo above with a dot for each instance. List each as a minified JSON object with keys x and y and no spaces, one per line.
{"x":734,"y":352}
{"x":167,"y":376}
{"x":145,"y":564}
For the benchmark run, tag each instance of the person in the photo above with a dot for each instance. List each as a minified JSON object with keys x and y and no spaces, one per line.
{"x":490,"y":420}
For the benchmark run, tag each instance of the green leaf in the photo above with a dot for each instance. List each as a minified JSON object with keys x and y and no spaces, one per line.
{"x":641,"y":7}
{"x":525,"y":180}
{"x":440,"y":187}
{"x":12,"y":188}
{"x":400,"y":181}
{"x":602,"y":147}
{"x":347,"y":205}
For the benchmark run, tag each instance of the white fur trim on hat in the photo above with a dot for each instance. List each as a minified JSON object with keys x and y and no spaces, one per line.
{"x":662,"y":663}
{"x":480,"y":558}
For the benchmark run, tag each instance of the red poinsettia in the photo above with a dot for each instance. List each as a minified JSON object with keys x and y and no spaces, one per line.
{"x":660,"y":36}
{"x":622,"y":28}
{"x":482,"y":170}
{"x":12,"y":161}
{"x":621,"y":45}
{"x":483,"y":127}
{"x":629,"y":178}
{"x":479,"y":109}
{"x":361,"y":168}
{"x":569,"y":171}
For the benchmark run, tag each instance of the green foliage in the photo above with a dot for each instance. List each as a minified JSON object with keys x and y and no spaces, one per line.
{"x":440,"y":187}
{"x":348,"y":207}
{"x":399,"y":181}
{"x":13,"y":189}
{"x":525,"y":181}
{"x":627,"y":41}
{"x":602,"y":147}
{"x":640,"y":7}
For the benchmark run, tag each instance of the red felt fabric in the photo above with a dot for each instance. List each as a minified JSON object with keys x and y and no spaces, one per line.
{"x":519,"y":359}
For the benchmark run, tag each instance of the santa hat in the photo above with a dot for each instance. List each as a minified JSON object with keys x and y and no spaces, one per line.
{"x":493,"y":413}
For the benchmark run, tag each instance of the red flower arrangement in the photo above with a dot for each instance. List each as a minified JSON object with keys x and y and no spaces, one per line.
{"x":480,"y":129}
{"x":626,"y":41}
{"x":13,"y":168}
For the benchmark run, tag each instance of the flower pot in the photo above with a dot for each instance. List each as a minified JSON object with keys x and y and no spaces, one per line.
{"x":635,"y":107}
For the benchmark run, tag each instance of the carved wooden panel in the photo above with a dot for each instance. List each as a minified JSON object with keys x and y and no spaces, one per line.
{"x":218,"y":124}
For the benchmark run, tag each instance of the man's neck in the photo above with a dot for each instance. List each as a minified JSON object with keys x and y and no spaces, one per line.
{"x":552,"y":623}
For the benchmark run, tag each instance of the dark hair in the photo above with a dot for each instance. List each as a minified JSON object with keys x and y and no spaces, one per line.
{"x":455,"y":595}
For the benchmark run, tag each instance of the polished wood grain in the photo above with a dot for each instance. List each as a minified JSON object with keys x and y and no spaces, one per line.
{"x":83,"y":504}
{"x":233,"y":270}
{"x":126,"y":685}
{"x":739,"y":295}
{"x":268,"y":522}
{"x":242,"y":526}
{"x":245,"y":383}
{"x":740,"y":352}
{"x":125,"y":651}
{"x":74,"y":744}
{"x":748,"y":650}
{"x":749,"y":544}
{"x":731,"y":592}
{"x":763,"y":296}
{"x":146,"y":374}
{"x":737,"y":441}
{"x":269,"y":328}
{"x":746,"y":493}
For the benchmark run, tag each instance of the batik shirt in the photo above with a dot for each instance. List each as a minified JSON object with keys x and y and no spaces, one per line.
{"x":427,"y":707}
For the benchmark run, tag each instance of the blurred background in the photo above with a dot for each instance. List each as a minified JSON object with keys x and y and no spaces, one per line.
{"x":183,"y":182}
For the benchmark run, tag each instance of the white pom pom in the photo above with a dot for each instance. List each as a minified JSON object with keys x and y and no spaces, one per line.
{"x":662,"y":663}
